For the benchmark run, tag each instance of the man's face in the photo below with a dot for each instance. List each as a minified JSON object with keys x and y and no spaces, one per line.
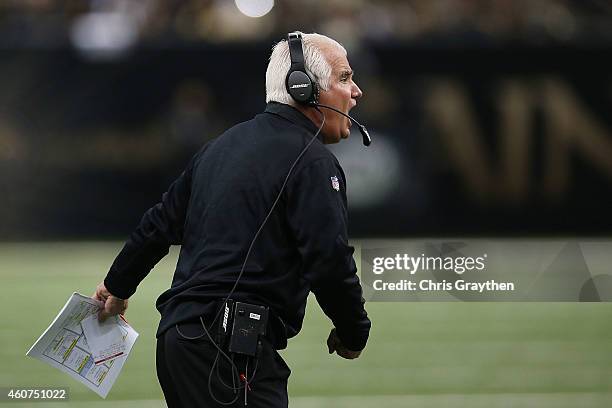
{"x":342,"y":94}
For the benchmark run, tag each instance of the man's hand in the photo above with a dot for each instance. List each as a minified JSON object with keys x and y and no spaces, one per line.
{"x":112,"y":304}
{"x":335,"y":344}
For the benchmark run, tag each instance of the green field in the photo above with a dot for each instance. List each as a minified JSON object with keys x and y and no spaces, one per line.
{"x":419,"y":354}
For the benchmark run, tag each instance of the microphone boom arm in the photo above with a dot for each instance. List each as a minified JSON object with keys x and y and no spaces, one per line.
{"x":367,"y":140}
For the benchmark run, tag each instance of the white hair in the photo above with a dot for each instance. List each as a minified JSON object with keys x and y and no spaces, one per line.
{"x":315,"y":61}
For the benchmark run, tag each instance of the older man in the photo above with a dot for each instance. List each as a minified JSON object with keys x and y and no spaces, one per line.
{"x":260,"y":213}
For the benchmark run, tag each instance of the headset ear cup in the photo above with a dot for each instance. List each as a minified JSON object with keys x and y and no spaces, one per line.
{"x":300,"y":86}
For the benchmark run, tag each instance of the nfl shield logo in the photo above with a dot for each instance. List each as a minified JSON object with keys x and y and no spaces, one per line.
{"x":335,"y":183}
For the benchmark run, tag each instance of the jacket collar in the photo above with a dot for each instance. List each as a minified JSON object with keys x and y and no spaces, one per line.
{"x":291,"y":114}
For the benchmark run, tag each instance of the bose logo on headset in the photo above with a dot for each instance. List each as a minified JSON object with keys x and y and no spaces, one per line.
{"x":299,"y":86}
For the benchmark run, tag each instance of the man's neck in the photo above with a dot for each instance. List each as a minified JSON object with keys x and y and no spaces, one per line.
{"x":310,"y":113}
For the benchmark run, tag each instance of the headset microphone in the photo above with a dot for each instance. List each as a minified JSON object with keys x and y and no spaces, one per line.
{"x":367,"y":140}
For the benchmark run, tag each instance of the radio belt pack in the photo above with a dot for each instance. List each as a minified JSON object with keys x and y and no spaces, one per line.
{"x":242,"y":325}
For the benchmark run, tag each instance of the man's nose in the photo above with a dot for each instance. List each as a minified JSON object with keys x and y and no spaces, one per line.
{"x":356,"y":94}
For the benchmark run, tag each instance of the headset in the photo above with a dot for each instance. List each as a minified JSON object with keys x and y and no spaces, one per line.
{"x":298,"y":83}
{"x":303,"y":89}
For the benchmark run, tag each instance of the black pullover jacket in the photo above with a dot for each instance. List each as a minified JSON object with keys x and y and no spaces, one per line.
{"x":214,"y":209}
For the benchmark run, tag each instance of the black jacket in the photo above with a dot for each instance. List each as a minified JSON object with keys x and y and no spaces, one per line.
{"x":214,"y":209}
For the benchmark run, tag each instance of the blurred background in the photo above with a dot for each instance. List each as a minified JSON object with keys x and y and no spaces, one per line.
{"x":489,"y":118}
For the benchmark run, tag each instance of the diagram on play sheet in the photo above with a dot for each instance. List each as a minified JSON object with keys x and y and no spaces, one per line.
{"x":64,"y":345}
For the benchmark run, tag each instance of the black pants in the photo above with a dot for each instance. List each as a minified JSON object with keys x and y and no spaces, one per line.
{"x":184,"y":366}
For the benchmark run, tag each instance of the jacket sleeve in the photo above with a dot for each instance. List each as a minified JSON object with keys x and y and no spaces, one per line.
{"x":316,"y":203}
{"x":161,"y":226}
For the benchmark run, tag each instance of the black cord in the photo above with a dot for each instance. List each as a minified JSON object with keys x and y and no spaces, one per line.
{"x":246,"y":381}
{"x":212,"y":394}
{"x":188,"y":337}
{"x":254,"y":370}
{"x":233,"y":378}
{"x":231,"y":387}
{"x":212,"y":368}
{"x":246,"y":258}
{"x":334,"y":109}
